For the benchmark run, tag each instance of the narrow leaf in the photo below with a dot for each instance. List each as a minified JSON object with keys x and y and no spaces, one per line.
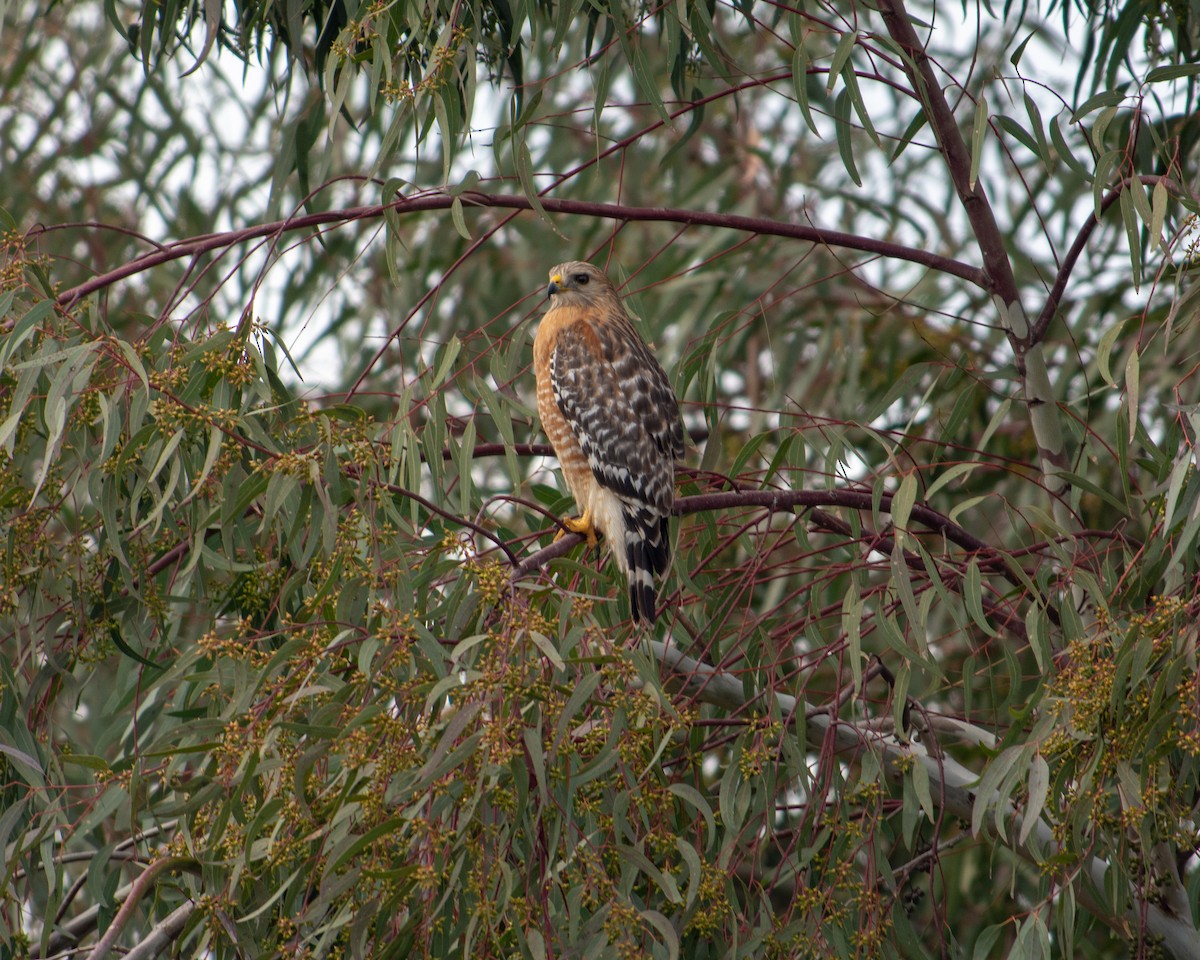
{"x":1039,"y":789}
{"x":1174,"y":72}
{"x":977,"y":135}
{"x":903,"y":500}
{"x":800,"y":85}
{"x":845,"y":131}
{"x":841,"y":55}
{"x":1109,"y":98}
{"x":1132,"y":391}
{"x":460,"y":222}
{"x":1158,"y":213}
{"x":1104,"y":351}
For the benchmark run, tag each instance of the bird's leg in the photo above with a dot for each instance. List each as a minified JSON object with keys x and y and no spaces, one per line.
{"x":581,"y":525}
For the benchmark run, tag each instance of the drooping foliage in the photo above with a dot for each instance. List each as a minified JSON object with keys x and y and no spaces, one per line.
{"x":292,"y":663}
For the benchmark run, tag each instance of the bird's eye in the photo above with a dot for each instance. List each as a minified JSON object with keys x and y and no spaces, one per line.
{"x":581,"y":278}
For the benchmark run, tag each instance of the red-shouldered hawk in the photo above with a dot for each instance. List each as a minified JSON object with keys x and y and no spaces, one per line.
{"x":610,"y":413}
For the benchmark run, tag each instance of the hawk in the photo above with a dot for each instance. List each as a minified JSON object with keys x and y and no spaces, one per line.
{"x":609,"y":411}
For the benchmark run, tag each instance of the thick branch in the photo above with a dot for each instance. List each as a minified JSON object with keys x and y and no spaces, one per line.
{"x":1044,"y":419}
{"x":137,"y":890}
{"x":157,"y":942}
{"x":787,"y":500}
{"x":856,"y":499}
{"x":997,"y":267}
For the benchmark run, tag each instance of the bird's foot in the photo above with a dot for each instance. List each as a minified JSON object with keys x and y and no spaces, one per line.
{"x":581,"y":525}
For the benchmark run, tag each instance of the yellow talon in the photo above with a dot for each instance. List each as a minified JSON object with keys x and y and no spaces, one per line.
{"x":581,"y":525}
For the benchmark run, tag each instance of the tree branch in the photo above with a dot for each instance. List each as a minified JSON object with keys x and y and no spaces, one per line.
{"x":787,"y":500}
{"x":997,"y":267}
{"x":157,"y":942}
{"x":1054,"y":298}
{"x":581,"y":208}
{"x":1030,"y":361}
{"x":137,"y":890}
{"x":953,"y":786}
{"x":855,"y":499}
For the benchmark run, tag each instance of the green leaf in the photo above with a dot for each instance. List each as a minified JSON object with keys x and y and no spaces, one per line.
{"x":1104,"y":350}
{"x":1035,"y":802}
{"x":694,"y":799}
{"x":1039,"y":132}
{"x":544,"y":644}
{"x":24,"y":328}
{"x":449,"y":353}
{"x":903,"y":500}
{"x":32,"y":772}
{"x":1100,"y":127}
{"x":1017,"y":132}
{"x":845,"y":131}
{"x":978,"y":132}
{"x":1132,"y":390}
{"x":920,"y":780}
{"x":948,"y":476}
{"x":841,"y":57}
{"x":1141,"y":204}
{"x":1133,"y":239}
{"x":1019,"y":52}
{"x":664,"y":927}
{"x":1108,"y":98}
{"x":1175,"y":71}
{"x":525,"y":174}
{"x":852,"y":89}
{"x":915,"y":126}
{"x":987,"y":794}
{"x":1059,"y":140}
{"x":973,"y":595}
{"x":985,"y":943}
{"x":800,"y":65}
{"x":1158,"y":214}
{"x":460,"y":222}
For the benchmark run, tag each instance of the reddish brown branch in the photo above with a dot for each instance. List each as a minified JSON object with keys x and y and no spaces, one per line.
{"x":855,"y":499}
{"x":781,"y":500}
{"x":999,"y":278}
{"x":761,"y":226}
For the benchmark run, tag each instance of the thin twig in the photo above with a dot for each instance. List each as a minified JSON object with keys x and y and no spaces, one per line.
{"x":1054,"y":298}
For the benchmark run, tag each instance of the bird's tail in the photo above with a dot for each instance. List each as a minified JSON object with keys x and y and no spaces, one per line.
{"x":647,"y":553}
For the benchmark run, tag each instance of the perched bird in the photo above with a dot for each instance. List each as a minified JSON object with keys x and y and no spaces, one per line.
{"x":608,"y":408}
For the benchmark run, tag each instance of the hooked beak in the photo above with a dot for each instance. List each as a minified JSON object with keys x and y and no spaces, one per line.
{"x":553,"y":288}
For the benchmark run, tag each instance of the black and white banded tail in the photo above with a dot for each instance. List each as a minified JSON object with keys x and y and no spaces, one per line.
{"x":647,"y":553}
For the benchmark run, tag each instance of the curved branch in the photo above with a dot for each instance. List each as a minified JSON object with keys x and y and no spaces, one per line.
{"x":583,"y":208}
{"x":138,"y":890}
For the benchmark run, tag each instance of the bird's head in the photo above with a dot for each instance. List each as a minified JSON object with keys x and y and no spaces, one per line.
{"x":577,"y":283}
